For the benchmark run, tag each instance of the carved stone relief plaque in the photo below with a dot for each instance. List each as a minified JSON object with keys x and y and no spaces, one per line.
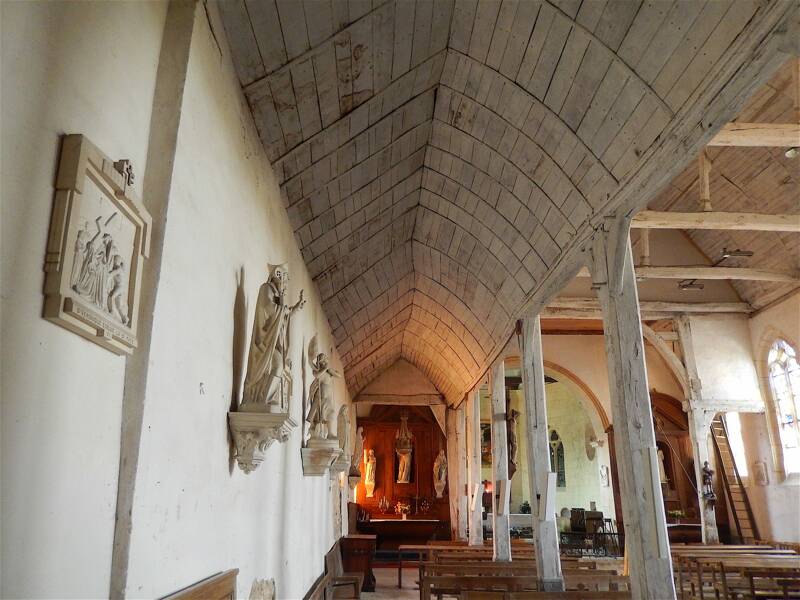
{"x":99,"y":236}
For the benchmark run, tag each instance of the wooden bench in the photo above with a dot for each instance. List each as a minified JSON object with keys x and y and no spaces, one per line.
{"x":581,"y":595}
{"x":341,"y":582}
{"x":427,"y":552}
{"x":697,"y":571}
{"x":495,"y":576}
{"x":221,"y":586}
{"x":458,"y":584}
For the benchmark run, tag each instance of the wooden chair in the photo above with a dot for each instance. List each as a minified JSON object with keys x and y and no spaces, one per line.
{"x":320,"y":588}
{"x":341,"y":582}
{"x":221,"y":586}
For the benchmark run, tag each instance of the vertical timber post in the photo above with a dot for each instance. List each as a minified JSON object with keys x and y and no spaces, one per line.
{"x":545,"y":531}
{"x":501,"y":535}
{"x":646,"y":538}
{"x":474,"y":485}
{"x":699,"y":428}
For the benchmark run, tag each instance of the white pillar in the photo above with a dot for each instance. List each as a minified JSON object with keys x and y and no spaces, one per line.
{"x":456,"y":464}
{"x":475,"y":485}
{"x":545,"y":531}
{"x":500,"y":484}
{"x":699,"y":429}
{"x":634,"y":437}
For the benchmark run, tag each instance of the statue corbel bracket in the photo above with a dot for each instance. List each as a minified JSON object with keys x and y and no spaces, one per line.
{"x":254,"y":432}
{"x":319,"y":455}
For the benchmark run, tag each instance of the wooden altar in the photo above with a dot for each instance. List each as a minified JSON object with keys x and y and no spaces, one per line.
{"x":391,"y":532}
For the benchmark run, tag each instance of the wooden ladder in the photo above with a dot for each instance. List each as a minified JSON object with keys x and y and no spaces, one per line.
{"x":732,"y":483}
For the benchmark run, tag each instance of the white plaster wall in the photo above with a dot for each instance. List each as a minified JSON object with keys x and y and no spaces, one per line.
{"x":776,"y":505}
{"x":566,"y":415}
{"x":585,"y":357}
{"x":66,"y":68}
{"x":724,"y":357}
{"x":195,"y":512}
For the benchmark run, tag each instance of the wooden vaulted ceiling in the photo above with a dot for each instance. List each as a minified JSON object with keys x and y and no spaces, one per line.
{"x":437,"y":158}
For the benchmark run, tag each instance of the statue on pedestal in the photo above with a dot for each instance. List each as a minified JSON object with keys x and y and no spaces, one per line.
{"x":369,"y":471}
{"x":320,"y":412}
{"x":440,"y":473}
{"x":403,"y":448}
{"x":708,"y":484}
{"x":267,"y":382}
{"x":662,"y":473}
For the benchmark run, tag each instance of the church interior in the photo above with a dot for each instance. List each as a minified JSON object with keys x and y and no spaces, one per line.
{"x":394,"y":299}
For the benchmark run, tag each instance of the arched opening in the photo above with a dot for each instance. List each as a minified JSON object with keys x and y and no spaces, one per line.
{"x":579,"y":453}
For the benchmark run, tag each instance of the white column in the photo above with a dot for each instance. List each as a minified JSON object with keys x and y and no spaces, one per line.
{"x":475,"y":485}
{"x":699,"y":429}
{"x":500,"y":484}
{"x":456,"y":465}
{"x":634,"y":437}
{"x":545,"y":531}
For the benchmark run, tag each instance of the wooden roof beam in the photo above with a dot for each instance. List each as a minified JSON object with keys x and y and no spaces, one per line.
{"x":783,"y":135}
{"x":653,"y":219}
{"x":689,"y":272}
{"x":705,"y":272}
{"x":589,"y":308}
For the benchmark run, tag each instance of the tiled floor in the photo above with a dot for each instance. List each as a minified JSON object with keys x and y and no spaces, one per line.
{"x":386,"y":585}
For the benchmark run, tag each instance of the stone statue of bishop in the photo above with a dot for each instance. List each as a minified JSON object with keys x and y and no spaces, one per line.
{"x":266,"y":384}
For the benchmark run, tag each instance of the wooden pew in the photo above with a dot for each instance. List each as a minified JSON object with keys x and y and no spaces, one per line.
{"x":574,"y":579}
{"x":775,"y":577}
{"x":221,"y":586}
{"x":694,"y":566}
{"x":429,"y":551}
{"x":458,"y":584}
{"x":582,"y":595}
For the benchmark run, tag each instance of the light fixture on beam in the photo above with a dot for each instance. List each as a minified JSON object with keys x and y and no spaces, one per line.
{"x":690,"y":284}
{"x":792,"y":153}
{"x":734,"y":254}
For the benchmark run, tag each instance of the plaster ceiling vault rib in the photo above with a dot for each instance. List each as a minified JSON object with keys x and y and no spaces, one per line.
{"x":438,"y":160}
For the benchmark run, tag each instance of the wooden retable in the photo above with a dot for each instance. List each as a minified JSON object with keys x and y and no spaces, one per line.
{"x":357,"y":553}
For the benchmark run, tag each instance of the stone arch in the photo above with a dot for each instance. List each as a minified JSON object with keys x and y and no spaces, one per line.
{"x":594,"y":408}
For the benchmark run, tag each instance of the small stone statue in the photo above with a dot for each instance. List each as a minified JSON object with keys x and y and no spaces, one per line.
{"x":262,"y":589}
{"x":358,"y":451}
{"x":511,"y":433}
{"x":662,"y":473}
{"x":343,"y":429}
{"x":440,"y":473}
{"x":403,"y":448}
{"x":266,"y":385}
{"x":320,"y":412}
{"x":369,"y":471}
{"x":708,"y":483}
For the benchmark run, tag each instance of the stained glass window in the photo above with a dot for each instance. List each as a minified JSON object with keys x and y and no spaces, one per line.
{"x":784,"y":379}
